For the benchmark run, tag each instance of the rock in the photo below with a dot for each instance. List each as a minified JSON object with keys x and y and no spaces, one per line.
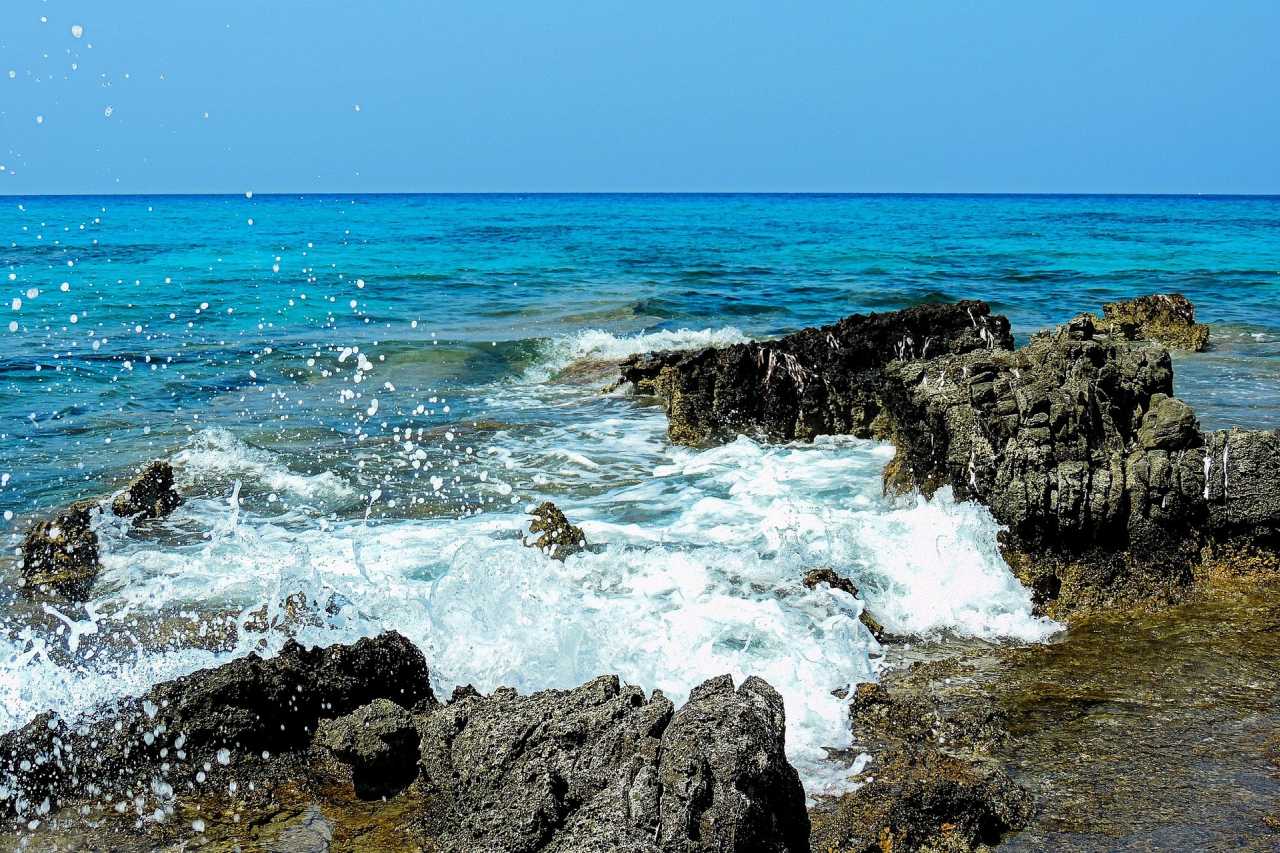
{"x":380,"y":743}
{"x":559,"y":538}
{"x":600,"y":768}
{"x":932,"y":784}
{"x":828,"y":576}
{"x":61,"y":554}
{"x":249,"y":705}
{"x":726,"y":783}
{"x":1080,"y":450}
{"x":925,"y":800}
{"x":814,"y":382}
{"x":150,"y":495}
{"x":1168,"y":424}
{"x":1167,"y":318}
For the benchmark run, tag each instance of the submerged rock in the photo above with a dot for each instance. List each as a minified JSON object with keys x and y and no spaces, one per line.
{"x":60,"y":554}
{"x":1102,"y":478}
{"x":827,"y":575}
{"x":150,"y":495}
{"x":558,"y":537}
{"x":1167,"y":318}
{"x":931,"y":784}
{"x":925,"y":800}
{"x":817,"y":381}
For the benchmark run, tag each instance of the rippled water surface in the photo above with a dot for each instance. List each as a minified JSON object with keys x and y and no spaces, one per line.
{"x":362,"y":396}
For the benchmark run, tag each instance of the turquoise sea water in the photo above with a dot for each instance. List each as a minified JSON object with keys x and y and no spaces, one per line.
{"x":362,"y":394}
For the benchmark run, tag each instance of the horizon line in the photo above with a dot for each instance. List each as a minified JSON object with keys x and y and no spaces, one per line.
{"x":829,"y":193}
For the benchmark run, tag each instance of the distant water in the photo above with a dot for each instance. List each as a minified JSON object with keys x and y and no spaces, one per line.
{"x":363,"y":395}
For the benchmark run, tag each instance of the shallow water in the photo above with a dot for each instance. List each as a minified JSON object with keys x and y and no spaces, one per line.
{"x":363,"y":395}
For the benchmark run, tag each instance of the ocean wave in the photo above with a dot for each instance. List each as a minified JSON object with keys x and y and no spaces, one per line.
{"x":217,"y":457}
{"x":598,"y":344}
{"x":696,"y":571}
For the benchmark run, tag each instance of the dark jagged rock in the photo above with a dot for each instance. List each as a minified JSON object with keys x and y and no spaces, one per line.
{"x":61,"y":554}
{"x":1078,"y":448}
{"x":248,"y":705}
{"x":599,"y":768}
{"x":380,"y":743}
{"x":828,"y":576}
{"x":150,"y":495}
{"x":1167,"y":318}
{"x":726,"y":783}
{"x":817,"y":381}
{"x":558,"y":537}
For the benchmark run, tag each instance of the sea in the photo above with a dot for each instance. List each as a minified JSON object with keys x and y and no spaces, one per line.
{"x":363,"y":396}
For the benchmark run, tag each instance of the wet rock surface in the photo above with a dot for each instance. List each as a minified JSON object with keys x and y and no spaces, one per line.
{"x":60,"y":554}
{"x":1134,"y":730}
{"x":556,"y":536}
{"x":348,"y":746}
{"x":817,"y":381}
{"x":150,"y":495}
{"x":932,"y":784}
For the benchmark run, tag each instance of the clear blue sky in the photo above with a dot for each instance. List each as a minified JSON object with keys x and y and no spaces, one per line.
{"x":598,"y":95}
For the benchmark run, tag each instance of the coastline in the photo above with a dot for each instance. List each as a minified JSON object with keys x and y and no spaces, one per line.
{"x":1080,"y":687}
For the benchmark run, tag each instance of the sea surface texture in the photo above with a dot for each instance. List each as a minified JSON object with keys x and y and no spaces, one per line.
{"x":363,"y":396}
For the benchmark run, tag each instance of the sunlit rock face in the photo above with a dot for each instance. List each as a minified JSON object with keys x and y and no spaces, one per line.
{"x":818,"y":381}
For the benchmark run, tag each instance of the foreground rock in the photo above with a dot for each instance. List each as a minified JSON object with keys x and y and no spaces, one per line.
{"x":379,"y":742}
{"x":817,"y":381}
{"x":60,"y":554}
{"x":1167,"y":318}
{"x":248,"y":705}
{"x":1107,"y":487}
{"x":602,"y":768}
{"x":273,"y":752}
{"x":557,"y":537}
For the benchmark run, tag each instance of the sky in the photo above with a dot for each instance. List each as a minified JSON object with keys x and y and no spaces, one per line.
{"x":170,"y":96}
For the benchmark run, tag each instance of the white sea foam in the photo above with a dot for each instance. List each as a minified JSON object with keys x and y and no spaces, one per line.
{"x":217,"y":454}
{"x":697,"y":573}
{"x":599,"y":344}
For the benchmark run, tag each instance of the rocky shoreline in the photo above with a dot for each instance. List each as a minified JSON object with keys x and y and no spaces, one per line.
{"x":1114,"y":504}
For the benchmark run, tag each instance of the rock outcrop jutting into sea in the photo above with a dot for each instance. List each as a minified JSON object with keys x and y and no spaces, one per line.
{"x":821,"y":381}
{"x":1107,"y":487}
